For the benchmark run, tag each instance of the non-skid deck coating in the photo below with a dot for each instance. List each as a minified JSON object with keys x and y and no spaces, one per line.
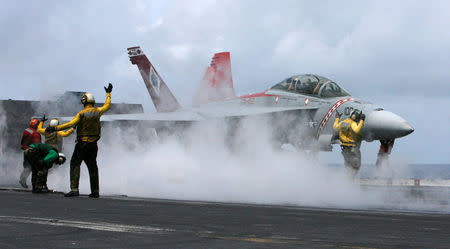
{"x":52,"y":221}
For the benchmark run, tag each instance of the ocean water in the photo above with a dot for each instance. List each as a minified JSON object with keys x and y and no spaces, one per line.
{"x":419,"y":171}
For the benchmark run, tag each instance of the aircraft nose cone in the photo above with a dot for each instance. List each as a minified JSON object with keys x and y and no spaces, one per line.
{"x":386,"y":125}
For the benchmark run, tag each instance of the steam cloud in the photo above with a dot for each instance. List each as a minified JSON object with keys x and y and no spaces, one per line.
{"x":205,"y":163}
{"x":201,"y":165}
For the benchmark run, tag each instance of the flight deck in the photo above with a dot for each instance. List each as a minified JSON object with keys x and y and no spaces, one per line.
{"x":53,"y":221}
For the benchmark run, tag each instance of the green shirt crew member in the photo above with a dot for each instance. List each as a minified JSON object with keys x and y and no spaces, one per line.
{"x":41,"y":157}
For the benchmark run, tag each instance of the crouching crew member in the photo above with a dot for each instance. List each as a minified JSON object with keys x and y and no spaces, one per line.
{"x":30,"y":135}
{"x":350,"y":138}
{"x":88,"y":133}
{"x":41,"y":157}
{"x":52,"y":138}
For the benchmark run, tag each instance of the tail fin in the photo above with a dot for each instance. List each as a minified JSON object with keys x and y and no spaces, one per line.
{"x":161,"y":95}
{"x":217,"y":83}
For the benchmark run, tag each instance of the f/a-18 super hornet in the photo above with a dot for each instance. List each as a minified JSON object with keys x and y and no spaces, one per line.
{"x":301,"y":107}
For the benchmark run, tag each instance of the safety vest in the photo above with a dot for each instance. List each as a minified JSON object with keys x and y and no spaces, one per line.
{"x":54,"y":140}
{"x":88,"y":122}
{"x":30,"y":136}
{"x":89,"y":126}
{"x":349,"y":132}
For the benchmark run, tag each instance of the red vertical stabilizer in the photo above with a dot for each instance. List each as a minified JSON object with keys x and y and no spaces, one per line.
{"x":162,"y":97}
{"x":217,"y":83}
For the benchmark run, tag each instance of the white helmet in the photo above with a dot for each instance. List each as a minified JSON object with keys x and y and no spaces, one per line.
{"x":61,"y":158}
{"x":88,"y":98}
{"x":54,"y":122}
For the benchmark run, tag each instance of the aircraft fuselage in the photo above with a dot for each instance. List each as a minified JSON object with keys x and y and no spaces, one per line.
{"x":314,"y":115}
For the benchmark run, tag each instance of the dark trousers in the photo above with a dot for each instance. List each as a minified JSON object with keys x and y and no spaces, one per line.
{"x":39,"y":170}
{"x":34,"y":178}
{"x":352,"y":156}
{"x":86,"y":152}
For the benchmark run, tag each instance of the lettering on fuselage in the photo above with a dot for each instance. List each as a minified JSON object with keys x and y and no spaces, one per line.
{"x":329,"y":113}
{"x":248,"y":100}
{"x":348,"y":110}
{"x":312,"y":124}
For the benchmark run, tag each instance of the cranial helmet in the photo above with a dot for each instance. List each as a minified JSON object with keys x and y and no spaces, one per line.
{"x":54,"y":122}
{"x":61,"y":158}
{"x":34,"y":123}
{"x":87,"y":98}
{"x":357,"y":114}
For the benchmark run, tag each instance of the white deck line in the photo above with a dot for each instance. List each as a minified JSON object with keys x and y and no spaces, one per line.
{"x":101,"y":226}
{"x":404,"y":182}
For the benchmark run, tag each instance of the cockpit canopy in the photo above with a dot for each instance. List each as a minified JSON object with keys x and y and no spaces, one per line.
{"x":313,"y":85}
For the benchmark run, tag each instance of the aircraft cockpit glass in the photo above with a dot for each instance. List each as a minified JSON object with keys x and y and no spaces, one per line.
{"x":293,"y":85}
{"x":307,"y":84}
{"x":331,"y":89}
{"x":283,"y":85}
{"x":304,"y":84}
{"x":313,"y":85}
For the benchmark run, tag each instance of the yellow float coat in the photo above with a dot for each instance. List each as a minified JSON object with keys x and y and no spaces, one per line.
{"x":349,"y":131}
{"x":88,"y":121}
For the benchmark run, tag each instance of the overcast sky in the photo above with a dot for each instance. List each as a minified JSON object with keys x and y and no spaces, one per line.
{"x":393,"y":53}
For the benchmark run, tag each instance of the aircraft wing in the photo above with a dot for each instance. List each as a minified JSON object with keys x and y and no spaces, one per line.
{"x":198,"y":115}
{"x":239,"y":111}
{"x":158,"y":116}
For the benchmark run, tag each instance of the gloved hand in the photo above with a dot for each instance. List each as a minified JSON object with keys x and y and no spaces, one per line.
{"x":50,"y":129}
{"x":363,"y":116}
{"x":338,"y":115}
{"x":43,"y":119}
{"x":109,"y":88}
{"x":29,"y":150}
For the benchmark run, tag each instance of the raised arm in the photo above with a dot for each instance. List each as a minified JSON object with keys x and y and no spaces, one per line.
{"x":107,"y":104}
{"x":357,"y":128}
{"x":40,"y":129}
{"x":336,"y":121}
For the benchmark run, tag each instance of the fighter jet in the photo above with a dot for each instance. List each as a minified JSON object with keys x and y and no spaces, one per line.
{"x":300,"y":106}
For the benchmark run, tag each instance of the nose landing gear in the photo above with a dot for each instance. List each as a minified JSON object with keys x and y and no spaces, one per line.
{"x":384,"y":152}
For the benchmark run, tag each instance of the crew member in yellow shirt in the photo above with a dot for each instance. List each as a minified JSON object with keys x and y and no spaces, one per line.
{"x":350,"y":137}
{"x":88,"y":133}
{"x":53,"y":138}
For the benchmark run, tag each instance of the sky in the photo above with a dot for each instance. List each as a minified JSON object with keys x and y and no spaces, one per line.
{"x":395,"y":54}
